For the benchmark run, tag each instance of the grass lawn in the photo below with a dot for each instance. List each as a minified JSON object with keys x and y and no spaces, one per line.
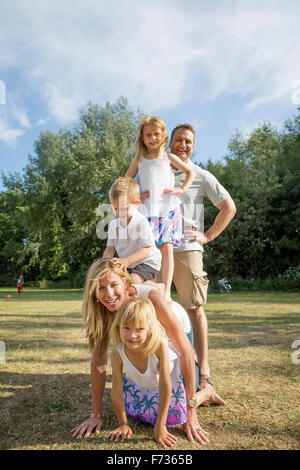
{"x":45,"y":382}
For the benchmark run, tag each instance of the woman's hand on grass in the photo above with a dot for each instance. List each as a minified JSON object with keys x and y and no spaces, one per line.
{"x":163,"y":437}
{"x":193,"y":429}
{"x":87,"y":427}
{"x":122,"y":432}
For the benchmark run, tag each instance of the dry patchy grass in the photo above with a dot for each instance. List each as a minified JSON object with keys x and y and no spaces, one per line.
{"x":45,"y":383}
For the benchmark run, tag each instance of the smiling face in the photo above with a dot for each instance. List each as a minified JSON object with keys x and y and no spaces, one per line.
{"x":153,"y":137}
{"x":133,"y":336}
{"x":112,"y":291}
{"x":182,"y":143}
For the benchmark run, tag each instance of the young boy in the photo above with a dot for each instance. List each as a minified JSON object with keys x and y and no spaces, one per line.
{"x":20,"y":284}
{"x":130,"y":234}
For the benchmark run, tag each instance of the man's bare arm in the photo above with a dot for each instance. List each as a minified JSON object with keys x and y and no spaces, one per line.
{"x":227,"y":211}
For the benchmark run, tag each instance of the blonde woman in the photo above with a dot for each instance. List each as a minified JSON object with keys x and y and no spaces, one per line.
{"x":107,"y":288}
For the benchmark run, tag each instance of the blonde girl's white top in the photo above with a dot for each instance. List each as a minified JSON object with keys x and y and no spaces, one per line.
{"x":155,"y":175}
{"x":148,"y":379}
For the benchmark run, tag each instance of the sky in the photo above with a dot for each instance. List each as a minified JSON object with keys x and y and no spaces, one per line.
{"x":221,"y":66}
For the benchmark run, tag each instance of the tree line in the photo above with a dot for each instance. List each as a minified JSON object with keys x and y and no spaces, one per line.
{"x":48,"y":214}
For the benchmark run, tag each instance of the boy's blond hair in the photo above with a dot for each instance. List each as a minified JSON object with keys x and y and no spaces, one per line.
{"x":125,"y":187}
{"x":139,"y":149}
{"x":141,"y":312}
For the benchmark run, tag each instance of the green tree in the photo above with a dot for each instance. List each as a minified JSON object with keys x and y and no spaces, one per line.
{"x":48,"y":216}
{"x":262,"y":175}
{"x":12,"y":232}
{"x":68,"y":178}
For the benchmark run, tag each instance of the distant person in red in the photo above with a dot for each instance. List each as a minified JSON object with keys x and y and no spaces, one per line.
{"x":20,"y":284}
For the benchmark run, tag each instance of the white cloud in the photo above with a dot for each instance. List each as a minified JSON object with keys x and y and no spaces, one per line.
{"x":19,"y":114}
{"x":62,"y":104}
{"x":14,"y":121}
{"x":41,"y":121}
{"x":159,"y":54}
{"x":252,"y":52}
{"x":9,"y":135}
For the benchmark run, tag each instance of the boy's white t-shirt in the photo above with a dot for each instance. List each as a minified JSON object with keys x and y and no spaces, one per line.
{"x":136,"y":235}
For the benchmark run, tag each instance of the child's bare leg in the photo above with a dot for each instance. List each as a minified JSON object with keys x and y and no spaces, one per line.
{"x":137,"y":278}
{"x":167,"y":268}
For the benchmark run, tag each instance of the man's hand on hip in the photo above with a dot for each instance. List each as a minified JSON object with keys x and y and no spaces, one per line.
{"x":195,"y":235}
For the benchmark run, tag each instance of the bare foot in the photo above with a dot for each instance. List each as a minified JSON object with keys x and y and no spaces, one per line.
{"x":211,"y":396}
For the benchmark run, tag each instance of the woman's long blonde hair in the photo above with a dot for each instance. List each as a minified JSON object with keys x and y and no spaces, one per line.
{"x":139,"y":149}
{"x":97,"y":318}
{"x":141,"y":312}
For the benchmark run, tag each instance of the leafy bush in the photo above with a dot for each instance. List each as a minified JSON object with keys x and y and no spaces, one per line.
{"x":289,"y":280}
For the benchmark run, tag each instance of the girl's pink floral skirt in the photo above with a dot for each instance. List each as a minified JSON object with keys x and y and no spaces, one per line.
{"x":167,"y":229}
{"x":142,"y":403}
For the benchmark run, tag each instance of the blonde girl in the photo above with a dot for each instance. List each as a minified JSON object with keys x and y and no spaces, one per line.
{"x":152,"y":389}
{"x":152,"y":164}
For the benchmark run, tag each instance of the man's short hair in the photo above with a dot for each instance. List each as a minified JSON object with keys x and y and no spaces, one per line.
{"x":125,"y":187}
{"x":186,"y":126}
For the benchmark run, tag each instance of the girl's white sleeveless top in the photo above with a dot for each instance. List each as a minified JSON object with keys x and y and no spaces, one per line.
{"x":148,"y":379}
{"x":155,"y":176}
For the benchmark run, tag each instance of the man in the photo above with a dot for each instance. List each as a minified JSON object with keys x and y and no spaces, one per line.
{"x":189,"y":278}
